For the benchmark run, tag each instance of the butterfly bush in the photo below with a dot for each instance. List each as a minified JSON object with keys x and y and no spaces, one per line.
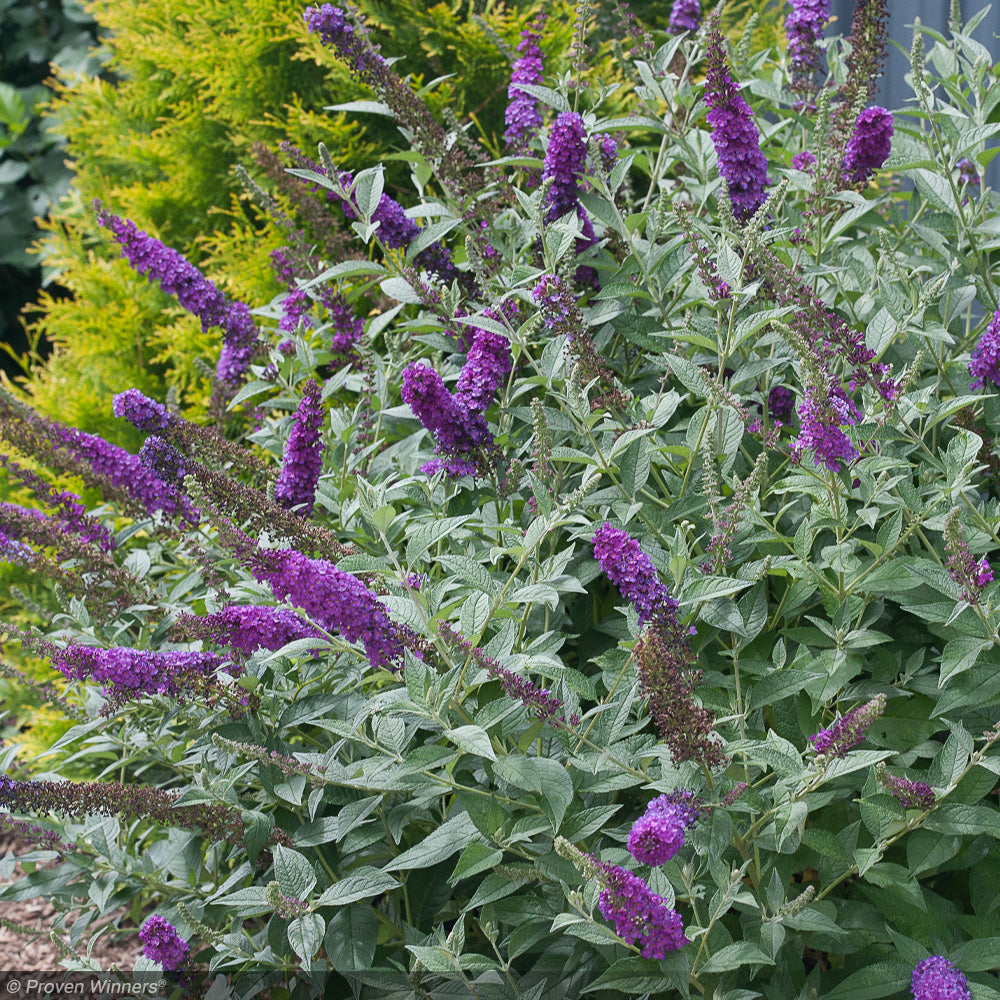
{"x":577,"y":579}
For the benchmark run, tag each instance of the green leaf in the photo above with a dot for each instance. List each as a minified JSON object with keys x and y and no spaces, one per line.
{"x":476,"y":858}
{"x":305,"y":934}
{"x":294,"y":873}
{"x":351,"y":938}
{"x":935,"y":189}
{"x":472,"y":739}
{"x":448,"y":839}
{"x":643,"y":975}
{"x":959,"y":818}
{"x":363,"y":883}
{"x":364,"y":107}
{"x":249,"y":902}
{"x":874,"y":982}
{"x":320,"y":831}
{"x":732,"y":956}
{"x":546,"y":777}
{"x":980,"y":955}
{"x":430,"y":533}
{"x":960,"y":654}
{"x":475,"y":614}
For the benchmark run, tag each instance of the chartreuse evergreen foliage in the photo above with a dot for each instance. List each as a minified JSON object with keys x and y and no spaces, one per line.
{"x":641,"y":638}
{"x":195,"y":86}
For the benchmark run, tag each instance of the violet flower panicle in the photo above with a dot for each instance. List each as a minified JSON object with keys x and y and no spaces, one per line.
{"x":936,"y":978}
{"x":804,"y":28}
{"x":849,"y":730}
{"x":734,"y":134}
{"x":685,"y":15}
{"x":632,"y":571}
{"x":910,"y":794}
{"x":523,"y":118}
{"x":639,"y":915}
{"x":245,"y":628}
{"x":302,"y":458}
{"x":196,"y":293}
{"x":869,"y":145}
{"x":658,"y":834}
{"x":970,"y":574}
{"x":162,"y":944}
{"x":984,"y":365}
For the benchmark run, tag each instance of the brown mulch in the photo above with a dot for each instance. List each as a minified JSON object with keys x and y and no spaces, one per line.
{"x":38,"y":953}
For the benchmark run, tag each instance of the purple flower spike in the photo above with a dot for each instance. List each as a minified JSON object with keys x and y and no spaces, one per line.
{"x":985,"y":364}
{"x":485,"y":368}
{"x":142,"y":412}
{"x":849,"y":730}
{"x":302,"y":460}
{"x":659,"y":834}
{"x":869,"y":146}
{"x":565,"y":160}
{"x":335,"y":600}
{"x":246,"y":628}
{"x":734,"y":134}
{"x":685,"y":15}
{"x":178,"y":277}
{"x":936,"y":978}
{"x":456,"y":430}
{"x":639,"y":915}
{"x":523,"y":117}
{"x":823,"y":415}
{"x":633,"y":573}
{"x":162,"y":944}
{"x":335,"y":30}
{"x":132,"y":673}
{"x":804,"y":28}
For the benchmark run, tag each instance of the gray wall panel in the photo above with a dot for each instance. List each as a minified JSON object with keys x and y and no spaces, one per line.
{"x":894,"y":93}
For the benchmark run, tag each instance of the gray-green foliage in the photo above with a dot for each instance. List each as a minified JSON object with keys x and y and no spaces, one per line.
{"x":424,"y":807}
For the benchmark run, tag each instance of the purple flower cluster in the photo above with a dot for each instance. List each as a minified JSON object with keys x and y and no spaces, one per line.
{"x":869,"y":145}
{"x":162,"y":944}
{"x":523,"y":117}
{"x":457,"y":430}
{"x":658,"y":834}
{"x":734,"y":134}
{"x":985,"y":364}
{"x":164,"y":459}
{"x":685,"y":15}
{"x":485,"y":368}
{"x":346,"y":327}
{"x":910,"y":794}
{"x":142,"y":412}
{"x":246,"y":628}
{"x":335,"y":30}
{"x":779,"y":403}
{"x":936,"y":978}
{"x":804,"y":160}
{"x":125,"y":471}
{"x":970,"y":574}
{"x":633,"y":573}
{"x":294,"y":309}
{"x":804,"y":28}
{"x":639,"y":915}
{"x":178,"y":277}
{"x":335,"y":600}
{"x":565,"y":160}
{"x":849,"y":730}
{"x":132,"y":673}
{"x":967,"y":173}
{"x":541,"y":701}
{"x":823,"y":416}
{"x":302,"y":459}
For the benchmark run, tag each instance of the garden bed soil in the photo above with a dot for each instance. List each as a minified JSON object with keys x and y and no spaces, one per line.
{"x":38,"y":953}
